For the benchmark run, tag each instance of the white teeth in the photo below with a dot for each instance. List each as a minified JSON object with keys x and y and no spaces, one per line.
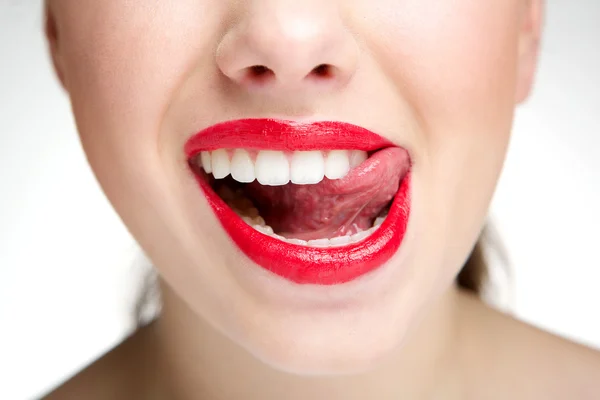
{"x":242,"y":167}
{"x":357,"y":237}
{"x":379,"y":221}
{"x":272,"y":168}
{"x":259,"y":224}
{"x":246,"y":210}
{"x":220,"y":164}
{"x":319,"y":243}
{"x":276,"y":236}
{"x":357,"y":157}
{"x":205,"y":158}
{"x":266,"y":229}
{"x":298,"y":242}
{"x":337,"y":164}
{"x":340,"y":241}
{"x":307,"y":167}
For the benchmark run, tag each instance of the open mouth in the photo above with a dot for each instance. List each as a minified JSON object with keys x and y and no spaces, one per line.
{"x":315,"y":203}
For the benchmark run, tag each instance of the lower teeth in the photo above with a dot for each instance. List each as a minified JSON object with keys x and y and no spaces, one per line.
{"x":334,"y":242}
{"x":259,"y":224}
{"x":244,"y":208}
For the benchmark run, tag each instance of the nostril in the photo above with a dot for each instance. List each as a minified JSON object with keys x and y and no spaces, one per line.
{"x":322,"y":71}
{"x":260,"y":74}
{"x":257,"y":74}
{"x":258,"y":71}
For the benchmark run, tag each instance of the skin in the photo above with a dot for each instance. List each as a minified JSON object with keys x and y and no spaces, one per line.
{"x":440,"y":78}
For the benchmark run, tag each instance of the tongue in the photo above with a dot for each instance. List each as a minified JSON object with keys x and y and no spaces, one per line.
{"x":333,"y":208}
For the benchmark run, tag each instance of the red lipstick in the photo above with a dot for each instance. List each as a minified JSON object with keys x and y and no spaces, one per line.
{"x":270,"y":134}
{"x":297,"y":263}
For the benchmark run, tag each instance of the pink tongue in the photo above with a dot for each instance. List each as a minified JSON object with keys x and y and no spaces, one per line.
{"x":333,"y":207}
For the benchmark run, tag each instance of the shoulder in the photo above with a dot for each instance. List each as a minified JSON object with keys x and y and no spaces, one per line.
{"x":119,"y":374}
{"x":526,"y":362}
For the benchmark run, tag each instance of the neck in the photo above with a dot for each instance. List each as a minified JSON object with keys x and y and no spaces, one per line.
{"x":196,"y":361}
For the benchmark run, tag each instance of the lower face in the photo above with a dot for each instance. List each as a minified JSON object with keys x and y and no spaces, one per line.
{"x":310,"y":215}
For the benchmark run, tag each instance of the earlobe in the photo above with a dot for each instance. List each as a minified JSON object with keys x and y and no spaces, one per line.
{"x":529,"y":46}
{"x":52,"y":36}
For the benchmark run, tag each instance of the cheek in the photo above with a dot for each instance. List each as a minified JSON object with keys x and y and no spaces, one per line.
{"x":455,"y":64}
{"x":454,"y":60}
{"x":125,"y":59}
{"x":460,"y":76}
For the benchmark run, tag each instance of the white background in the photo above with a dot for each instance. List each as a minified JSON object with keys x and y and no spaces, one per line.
{"x":68,"y":267}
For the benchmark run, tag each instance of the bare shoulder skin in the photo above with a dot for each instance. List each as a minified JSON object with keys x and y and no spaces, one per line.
{"x":520,"y":361}
{"x":502,"y":358}
{"x":119,"y":374}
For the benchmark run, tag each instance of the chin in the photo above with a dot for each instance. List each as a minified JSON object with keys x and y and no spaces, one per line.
{"x":314,"y":239}
{"x":324,"y":351}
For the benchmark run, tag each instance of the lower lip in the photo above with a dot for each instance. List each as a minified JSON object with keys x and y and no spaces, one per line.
{"x":317,"y":266}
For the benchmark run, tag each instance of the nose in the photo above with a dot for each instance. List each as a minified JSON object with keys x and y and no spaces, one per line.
{"x":277,"y":44}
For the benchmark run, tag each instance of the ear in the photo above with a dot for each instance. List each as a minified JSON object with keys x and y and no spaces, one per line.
{"x":53,"y":37}
{"x":529,"y":45}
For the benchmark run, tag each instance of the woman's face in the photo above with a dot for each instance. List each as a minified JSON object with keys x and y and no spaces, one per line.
{"x":437,"y":78}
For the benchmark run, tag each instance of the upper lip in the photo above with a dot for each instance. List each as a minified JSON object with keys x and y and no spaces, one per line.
{"x":284,"y":135}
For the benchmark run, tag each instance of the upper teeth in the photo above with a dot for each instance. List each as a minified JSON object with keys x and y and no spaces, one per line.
{"x":276,"y":168}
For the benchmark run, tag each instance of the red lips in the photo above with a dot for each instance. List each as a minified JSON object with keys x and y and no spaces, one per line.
{"x":270,"y":134}
{"x":302,"y":264}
